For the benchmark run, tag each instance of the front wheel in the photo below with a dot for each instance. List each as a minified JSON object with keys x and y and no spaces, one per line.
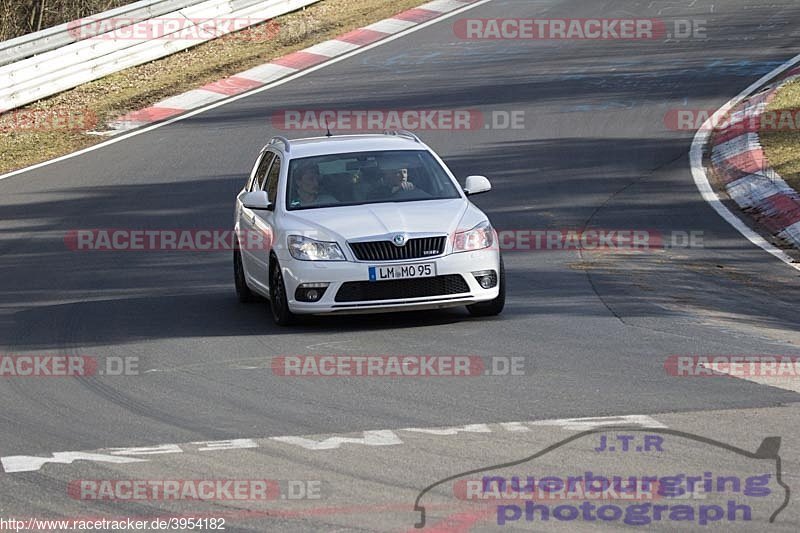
{"x":278,"y":302}
{"x":240,"y":281}
{"x":492,"y":307}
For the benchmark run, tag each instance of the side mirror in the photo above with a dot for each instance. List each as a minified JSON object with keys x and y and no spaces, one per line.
{"x":477,"y":185}
{"x":256,"y":200}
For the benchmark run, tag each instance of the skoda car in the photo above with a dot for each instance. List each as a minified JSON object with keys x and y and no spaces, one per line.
{"x":363,"y":224}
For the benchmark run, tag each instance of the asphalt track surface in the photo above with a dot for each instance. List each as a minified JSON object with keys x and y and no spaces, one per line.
{"x":594,"y":328}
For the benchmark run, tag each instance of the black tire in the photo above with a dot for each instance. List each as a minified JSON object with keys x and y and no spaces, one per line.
{"x":492,"y":307}
{"x":278,"y":301}
{"x":242,"y":290}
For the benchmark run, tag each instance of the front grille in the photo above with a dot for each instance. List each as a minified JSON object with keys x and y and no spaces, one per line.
{"x":364,"y":291}
{"x":387,"y":251}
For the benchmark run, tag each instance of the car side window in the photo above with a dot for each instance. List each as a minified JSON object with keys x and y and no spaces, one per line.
{"x":261,"y":172}
{"x":248,"y":186}
{"x":272,"y":180}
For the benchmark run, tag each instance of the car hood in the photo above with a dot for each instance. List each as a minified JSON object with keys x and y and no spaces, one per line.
{"x":367,"y":220}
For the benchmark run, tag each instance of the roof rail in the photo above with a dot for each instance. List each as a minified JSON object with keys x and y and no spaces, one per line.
{"x":403,"y":133}
{"x":283,"y":140}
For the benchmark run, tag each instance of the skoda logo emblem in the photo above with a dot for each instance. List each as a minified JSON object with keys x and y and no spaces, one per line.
{"x":399,"y":239}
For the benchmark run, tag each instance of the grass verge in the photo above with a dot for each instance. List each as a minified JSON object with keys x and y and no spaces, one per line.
{"x":782,"y":142}
{"x":56,"y":125}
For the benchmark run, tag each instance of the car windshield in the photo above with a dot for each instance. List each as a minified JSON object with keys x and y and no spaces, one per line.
{"x":366,"y":178}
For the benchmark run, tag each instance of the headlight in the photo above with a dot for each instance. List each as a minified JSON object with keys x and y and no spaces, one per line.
{"x":307,"y":249}
{"x":478,"y":238}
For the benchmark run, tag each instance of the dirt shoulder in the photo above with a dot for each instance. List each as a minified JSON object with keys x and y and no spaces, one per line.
{"x":57,"y":125}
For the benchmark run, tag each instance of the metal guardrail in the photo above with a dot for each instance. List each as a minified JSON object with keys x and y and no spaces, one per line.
{"x":48,"y":39}
{"x":82,"y":61}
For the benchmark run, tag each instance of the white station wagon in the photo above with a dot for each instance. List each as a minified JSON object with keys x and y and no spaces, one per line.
{"x":363,"y":224}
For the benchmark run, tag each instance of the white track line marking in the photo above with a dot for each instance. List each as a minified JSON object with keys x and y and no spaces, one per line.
{"x":379,"y":437}
{"x":584,"y":424}
{"x":791,"y":383}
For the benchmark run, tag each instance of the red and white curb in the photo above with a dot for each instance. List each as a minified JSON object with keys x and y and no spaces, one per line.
{"x":738,"y":160}
{"x":283,"y":66}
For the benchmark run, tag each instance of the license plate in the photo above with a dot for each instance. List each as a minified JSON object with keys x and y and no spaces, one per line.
{"x":419,"y":270}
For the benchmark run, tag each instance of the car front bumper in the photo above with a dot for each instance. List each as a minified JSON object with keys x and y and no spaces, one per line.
{"x":337,"y":273}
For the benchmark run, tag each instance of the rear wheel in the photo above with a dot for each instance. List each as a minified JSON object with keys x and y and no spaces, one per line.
{"x":492,"y":307}
{"x":242,"y":290}
{"x":278,"y":302}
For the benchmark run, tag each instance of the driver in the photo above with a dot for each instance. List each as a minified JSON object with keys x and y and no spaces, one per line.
{"x":397,"y":180}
